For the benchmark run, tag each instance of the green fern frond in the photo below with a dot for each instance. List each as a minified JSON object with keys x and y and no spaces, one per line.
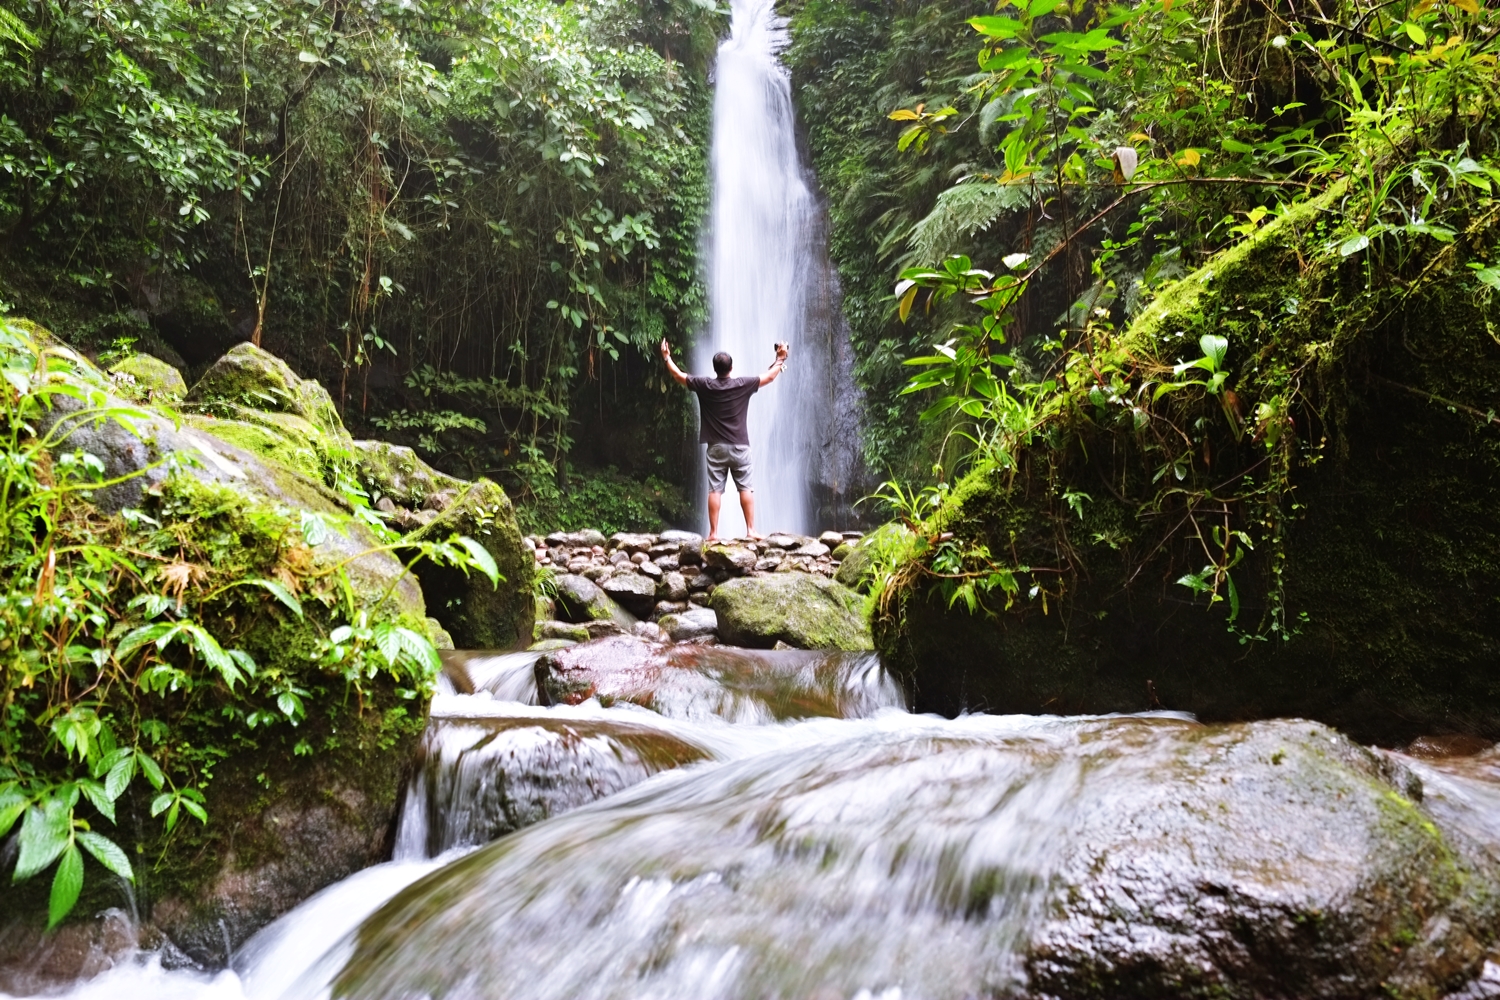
{"x":13,"y":29}
{"x":963,"y":210}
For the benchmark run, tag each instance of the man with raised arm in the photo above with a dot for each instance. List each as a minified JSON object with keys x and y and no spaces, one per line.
{"x":724,"y":403}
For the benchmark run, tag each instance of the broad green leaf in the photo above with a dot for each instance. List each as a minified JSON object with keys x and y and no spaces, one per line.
{"x":1415,"y":33}
{"x":161,"y":803}
{"x":107,"y":853}
{"x":282,"y":594}
{"x":151,"y":770}
{"x":421,"y":649}
{"x":481,"y":559}
{"x":1354,"y":245}
{"x":1235,"y":146}
{"x":119,"y":776}
{"x":66,"y":885}
{"x":1215,"y":349}
{"x":45,"y":833}
{"x":136,"y":638}
{"x":95,"y":793}
{"x":388,"y":642}
{"x":996,"y":27}
{"x":290,"y":705}
{"x":12,"y":805}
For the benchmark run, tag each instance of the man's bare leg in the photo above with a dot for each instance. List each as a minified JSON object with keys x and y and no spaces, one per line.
{"x":714,"y":499}
{"x":747,"y":504}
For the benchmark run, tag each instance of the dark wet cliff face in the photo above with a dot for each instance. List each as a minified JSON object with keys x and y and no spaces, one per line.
{"x":1367,"y":600}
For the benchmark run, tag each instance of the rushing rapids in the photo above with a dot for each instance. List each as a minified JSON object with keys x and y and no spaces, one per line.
{"x":736,"y":845}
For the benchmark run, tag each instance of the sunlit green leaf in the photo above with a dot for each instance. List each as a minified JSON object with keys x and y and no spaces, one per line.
{"x":107,"y":853}
{"x":66,"y":885}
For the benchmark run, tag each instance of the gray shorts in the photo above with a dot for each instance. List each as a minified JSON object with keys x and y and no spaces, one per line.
{"x":724,"y":459}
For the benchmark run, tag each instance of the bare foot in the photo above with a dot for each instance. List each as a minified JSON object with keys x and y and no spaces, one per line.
{"x":710,"y":538}
{"x":754,"y":536}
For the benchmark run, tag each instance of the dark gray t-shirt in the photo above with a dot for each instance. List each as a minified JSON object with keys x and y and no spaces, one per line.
{"x":724,"y":403}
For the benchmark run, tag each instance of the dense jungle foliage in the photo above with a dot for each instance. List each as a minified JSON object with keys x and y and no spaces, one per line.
{"x":1046,"y":169}
{"x":466,"y":219}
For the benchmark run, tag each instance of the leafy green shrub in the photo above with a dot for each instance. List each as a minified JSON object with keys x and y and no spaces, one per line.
{"x":604,"y":500}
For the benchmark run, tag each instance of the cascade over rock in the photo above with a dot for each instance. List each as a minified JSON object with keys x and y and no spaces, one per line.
{"x":689,"y":681}
{"x":479,"y":778}
{"x":1027,"y":858}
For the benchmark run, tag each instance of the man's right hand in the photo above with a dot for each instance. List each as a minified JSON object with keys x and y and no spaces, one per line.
{"x":666,"y":350}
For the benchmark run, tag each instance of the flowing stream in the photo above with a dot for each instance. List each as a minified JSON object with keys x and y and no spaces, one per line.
{"x":770,"y":281}
{"x":802,"y":837}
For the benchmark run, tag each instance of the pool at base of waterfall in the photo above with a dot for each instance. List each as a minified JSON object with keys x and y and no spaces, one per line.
{"x":710,"y":849}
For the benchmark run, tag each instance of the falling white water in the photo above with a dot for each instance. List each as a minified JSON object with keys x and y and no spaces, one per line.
{"x":763,"y":267}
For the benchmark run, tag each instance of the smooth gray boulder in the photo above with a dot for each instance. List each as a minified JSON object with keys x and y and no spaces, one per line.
{"x":580,"y":600}
{"x":560,"y":630}
{"x":628,"y":542}
{"x":694,"y":623}
{"x":734,"y":559}
{"x":634,"y":592}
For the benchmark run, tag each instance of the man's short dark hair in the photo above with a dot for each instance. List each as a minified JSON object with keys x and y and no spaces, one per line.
{"x":722,"y":364}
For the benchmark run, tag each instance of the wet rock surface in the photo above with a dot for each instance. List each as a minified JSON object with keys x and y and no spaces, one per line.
{"x":478,"y":613}
{"x":580,"y":600}
{"x":479,"y":778}
{"x":1024,"y":858}
{"x":801,"y":610}
{"x":687,"y":681}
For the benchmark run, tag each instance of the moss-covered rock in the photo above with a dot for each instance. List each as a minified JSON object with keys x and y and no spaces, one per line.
{"x":292,"y":808}
{"x":581,"y":600}
{"x":800,"y":609}
{"x":395,"y":471}
{"x":147,"y":379}
{"x":1351,"y":447}
{"x":250,"y":386}
{"x":250,"y":377}
{"x":477,"y":613}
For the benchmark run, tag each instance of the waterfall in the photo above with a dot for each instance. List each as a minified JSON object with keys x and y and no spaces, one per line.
{"x":769,"y":281}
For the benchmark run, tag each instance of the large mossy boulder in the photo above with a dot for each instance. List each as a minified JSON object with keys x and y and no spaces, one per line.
{"x":1349,"y":448}
{"x":148,"y":379}
{"x":395,"y":471}
{"x":253,"y":399}
{"x":799,"y":609}
{"x":224,"y":529}
{"x":477,"y":613}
